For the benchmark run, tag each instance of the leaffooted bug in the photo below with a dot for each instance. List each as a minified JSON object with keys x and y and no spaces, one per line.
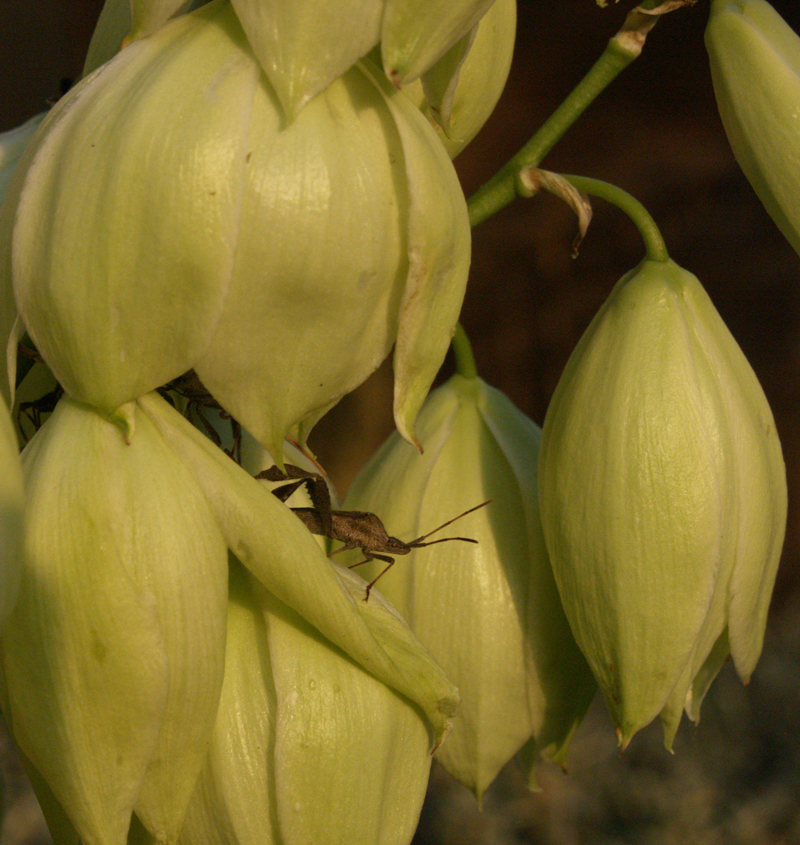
{"x":356,"y":529}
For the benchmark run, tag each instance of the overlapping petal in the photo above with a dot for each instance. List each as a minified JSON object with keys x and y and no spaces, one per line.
{"x":277,"y":548}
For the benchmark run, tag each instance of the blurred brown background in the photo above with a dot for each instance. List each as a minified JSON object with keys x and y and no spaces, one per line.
{"x":655,"y":132}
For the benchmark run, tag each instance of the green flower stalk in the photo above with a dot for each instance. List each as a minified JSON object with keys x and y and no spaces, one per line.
{"x":490,"y":613}
{"x":755,"y":66}
{"x":663,"y":498}
{"x":163,"y":219}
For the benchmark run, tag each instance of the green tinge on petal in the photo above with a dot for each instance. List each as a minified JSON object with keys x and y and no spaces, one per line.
{"x":416,"y":33}
{"x":12,"y":502}
{"x":112,"y":26}
{"x":351,"y":755}
{"x":282,"y":554}
{"x":119,"y":631}
{"x":150,"y":15}
{"x":302,"y":327}
{"x":755,"y":67}
{"x":234,"y":800}
{"x":304,"y":45}
{"x":438,"y":259}
{"x":12,"y":148}
{"x":117,"y":278}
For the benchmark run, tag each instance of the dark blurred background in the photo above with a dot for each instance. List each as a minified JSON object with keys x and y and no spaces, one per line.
{"x":656,"y":133}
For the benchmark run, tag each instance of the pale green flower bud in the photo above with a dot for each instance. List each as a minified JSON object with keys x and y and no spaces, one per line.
{"x":461,"y":90}
{"x":308,"y":746}
{"x":663,"y":497}
{"x":489,"y":612}
{"x":119,"y":630}
{"x":755,"y":66}
{"x":11,"y":515}
{"x":197,"y":229}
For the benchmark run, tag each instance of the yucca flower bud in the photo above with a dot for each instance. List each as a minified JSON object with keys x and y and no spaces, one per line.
{"x":119,"y":630}
{"x":489,"y":612}
{"x":460,"y":91}
{"x":308,"y":746}
{"x":174,"y":234}
{"x":755,"y":66}
{"x":663,"y":497}
{"x":11,"y":515}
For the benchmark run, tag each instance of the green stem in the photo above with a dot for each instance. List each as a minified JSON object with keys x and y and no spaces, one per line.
{"x":621,"y":50}
{"x":465,"y":360}
{"x":500,"y":190}
{"x":653,"y":241}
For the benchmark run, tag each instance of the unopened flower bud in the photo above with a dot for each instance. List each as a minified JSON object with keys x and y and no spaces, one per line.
{"x":488,"y":611}
{"x":755,"y":66}
{"x":663,"y":497}
{"x":460,"y":91}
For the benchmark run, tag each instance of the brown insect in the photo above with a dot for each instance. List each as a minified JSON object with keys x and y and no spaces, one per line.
{"x":356,"y":529}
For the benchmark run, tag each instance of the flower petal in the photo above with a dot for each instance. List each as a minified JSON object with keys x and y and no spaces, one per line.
{"x":415,"y":33}
{"x":438,"y":255}
{"x":84,"y":659}
{"x":305,"y":45}
{"x":12,"y":501}
{"x":302,"y":327}
{"x":122,"y":539}
{"x":235,"y":796}
{"x":351,"y":754}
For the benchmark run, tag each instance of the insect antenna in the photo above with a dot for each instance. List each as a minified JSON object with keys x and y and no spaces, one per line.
{"x":418,"y":542}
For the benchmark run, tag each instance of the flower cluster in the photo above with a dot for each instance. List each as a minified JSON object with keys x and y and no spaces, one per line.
{"x":234,"y":193}
{"x":260,"y":193}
